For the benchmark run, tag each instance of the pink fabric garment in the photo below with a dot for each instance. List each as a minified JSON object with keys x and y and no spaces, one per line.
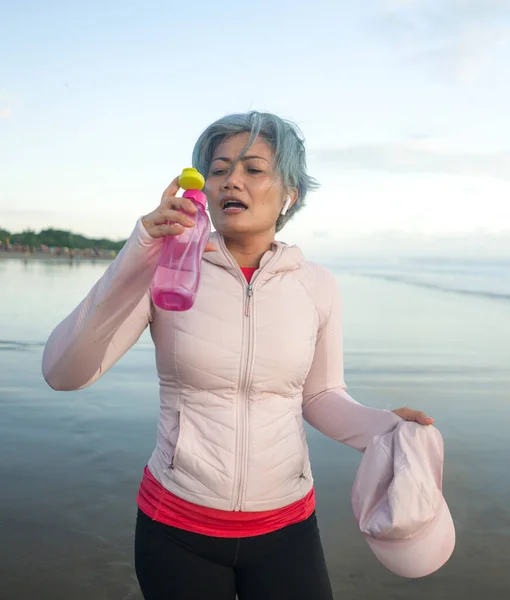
{"x":249,"y":272}
{"x":161,"y":505}
{"x":238,"y":373}
{"x":398,"y":503}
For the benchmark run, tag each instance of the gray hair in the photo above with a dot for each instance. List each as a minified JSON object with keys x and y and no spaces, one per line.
{"x":284,"y":137}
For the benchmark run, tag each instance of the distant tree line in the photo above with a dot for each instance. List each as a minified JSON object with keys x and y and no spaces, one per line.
{"x":58,"y":238}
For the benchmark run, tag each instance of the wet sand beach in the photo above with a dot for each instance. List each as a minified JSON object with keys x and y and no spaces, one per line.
{"x":70,"y":463}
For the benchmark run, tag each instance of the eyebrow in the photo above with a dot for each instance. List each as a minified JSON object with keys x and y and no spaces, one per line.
{"x":251,"y":156}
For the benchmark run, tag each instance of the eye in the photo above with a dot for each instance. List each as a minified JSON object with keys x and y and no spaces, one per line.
{"x":219,"y":172}
{"x":254,"y":171}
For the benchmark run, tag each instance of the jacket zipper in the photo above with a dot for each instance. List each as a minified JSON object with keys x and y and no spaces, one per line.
{"x":248,"y":342}
{"x":249,"y":294}
{"x":243,"y":410}
{"x":302,"y":447}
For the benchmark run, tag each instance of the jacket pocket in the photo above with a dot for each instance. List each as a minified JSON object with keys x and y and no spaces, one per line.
{"x":302,"y":446}
{"x":174,"y":438}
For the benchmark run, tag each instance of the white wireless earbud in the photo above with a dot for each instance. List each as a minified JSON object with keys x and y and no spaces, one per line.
{"x":286,"y":206}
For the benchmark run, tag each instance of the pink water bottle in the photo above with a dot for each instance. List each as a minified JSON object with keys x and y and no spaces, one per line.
{"x":177,"y":276}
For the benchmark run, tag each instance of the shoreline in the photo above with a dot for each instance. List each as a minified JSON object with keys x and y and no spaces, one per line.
{"x":51,"y":257}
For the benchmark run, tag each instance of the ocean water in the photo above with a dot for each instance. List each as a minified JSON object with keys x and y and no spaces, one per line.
{"x":433,"y":335}
{"x":485,"y":278}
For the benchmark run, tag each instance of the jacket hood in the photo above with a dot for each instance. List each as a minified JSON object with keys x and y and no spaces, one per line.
{"x":287,"y":258}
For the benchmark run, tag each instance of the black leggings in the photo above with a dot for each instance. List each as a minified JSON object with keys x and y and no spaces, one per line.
{"x":288,"y":564}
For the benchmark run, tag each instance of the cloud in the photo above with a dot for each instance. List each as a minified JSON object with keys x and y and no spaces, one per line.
{"x":321,"y":233}
{"x":6,"y":102}
{"x":391,"y":244}
{"x":416,"y":156}
{"x":454,"y":37}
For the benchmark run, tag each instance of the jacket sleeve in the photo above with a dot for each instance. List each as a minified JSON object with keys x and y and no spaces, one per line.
{"x":108,"y":321}
{"x":326,"y":404}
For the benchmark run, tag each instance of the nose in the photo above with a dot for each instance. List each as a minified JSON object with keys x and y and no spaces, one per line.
{"x":233,"y":179}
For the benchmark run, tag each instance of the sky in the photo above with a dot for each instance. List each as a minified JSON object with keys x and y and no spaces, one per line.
{"x":403,"y":105}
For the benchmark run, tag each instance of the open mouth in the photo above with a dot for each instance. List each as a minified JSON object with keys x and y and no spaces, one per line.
{"x":234,"y":206}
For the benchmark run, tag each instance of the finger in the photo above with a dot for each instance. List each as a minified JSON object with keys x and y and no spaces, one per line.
{"x":174,"y":216}
{"x":178,"y":203}
{"x":167,"y":229}
{"x":408,"y":414}
{"x":188,"y":205}
{"x":423,"y":419}
{"x":419,"y":417}
{"x":172,"y":189}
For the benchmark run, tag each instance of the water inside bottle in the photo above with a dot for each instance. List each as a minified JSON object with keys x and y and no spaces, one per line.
{"x":177,"y":275}
{"x":177,"y":296}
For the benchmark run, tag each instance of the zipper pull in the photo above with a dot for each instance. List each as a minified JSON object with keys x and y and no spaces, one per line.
{"x":249,"y":294}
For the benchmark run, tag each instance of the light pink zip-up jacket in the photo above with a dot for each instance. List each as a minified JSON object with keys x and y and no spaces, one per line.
{"x":237,"y":372}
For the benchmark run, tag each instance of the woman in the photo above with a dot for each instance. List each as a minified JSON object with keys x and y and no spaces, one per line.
{"x":226,"y":504}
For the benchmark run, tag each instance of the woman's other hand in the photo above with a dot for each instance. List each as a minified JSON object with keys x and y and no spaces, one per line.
{"x":408,"y":414}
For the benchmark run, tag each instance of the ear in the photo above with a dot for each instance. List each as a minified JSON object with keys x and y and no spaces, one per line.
{"x":290,"y":199}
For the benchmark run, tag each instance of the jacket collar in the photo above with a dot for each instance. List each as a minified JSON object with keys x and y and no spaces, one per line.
{"x":288,"y":258}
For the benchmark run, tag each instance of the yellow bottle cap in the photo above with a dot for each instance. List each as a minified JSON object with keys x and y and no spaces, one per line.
{"x":191,"y":179}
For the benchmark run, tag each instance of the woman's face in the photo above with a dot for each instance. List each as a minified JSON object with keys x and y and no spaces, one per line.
{"x":248,"y":198}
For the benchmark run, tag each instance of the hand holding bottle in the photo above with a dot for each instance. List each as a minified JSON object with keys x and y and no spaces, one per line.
{"x":172,"y":216}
